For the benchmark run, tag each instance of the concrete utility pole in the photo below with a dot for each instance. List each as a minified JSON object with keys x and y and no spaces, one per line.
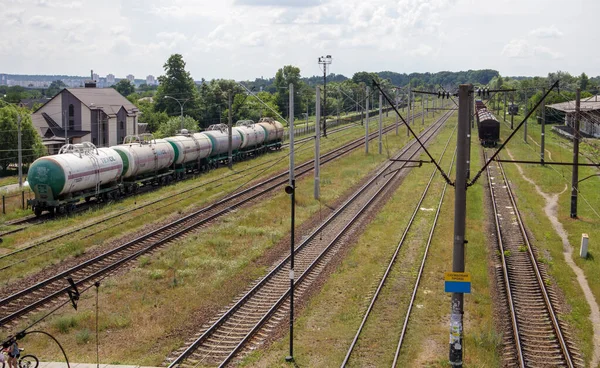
{"x":525,"y":125}
{"x":460,"y":204}
{"x":367,"y":122}
{"x":317,"y":144}
{"x":229,"y":155}
{"x":291,"y":189}
{"x":380,"y":121}
{"x":543,"y":137}
{"x":20,"y":150}
{"x":575,"y":178}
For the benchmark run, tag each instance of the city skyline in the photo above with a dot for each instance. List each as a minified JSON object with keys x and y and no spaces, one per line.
{"x":247,"y":39}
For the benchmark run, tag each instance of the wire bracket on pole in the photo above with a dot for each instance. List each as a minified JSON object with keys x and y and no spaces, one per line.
{"x":555,"y":85}
{"x":73,"y":292}
{"x":444,"y":175}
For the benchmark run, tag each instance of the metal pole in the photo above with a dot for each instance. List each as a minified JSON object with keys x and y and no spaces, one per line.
{"x":408,"y":114}
{"x":469,"y":123}
{"x":20,"y":150}
{"x":504,"y":106}
{"x":397,"y":117}
{"x":324,"y":100}
{"x":65,"y":126}
{"x":460,"y":204}
{"x":317,"y":144}
{"x":292,"y":190}
{"x":512,"y":115}
{"x":543,"y":137}
{"x":229,"y":131}
{"x":367,"y":122}
{"x":422,"y":110}
{"x":525,"y":125}
{"x":575,"y":178}
{"x":380,"y":121}
{"x":181,"y":106}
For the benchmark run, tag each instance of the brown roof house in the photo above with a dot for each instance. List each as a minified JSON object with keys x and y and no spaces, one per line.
{"x":101,"y":116}
{"x":589,"y":115}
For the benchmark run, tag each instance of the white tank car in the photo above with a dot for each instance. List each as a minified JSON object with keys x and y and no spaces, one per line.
{"x":77,"y":167}
{"x":190,"y":147}
{"x":144,"y":154}
{"x":219,"y":137}
{"x":252,"y":135}
{"x":273,"y":128}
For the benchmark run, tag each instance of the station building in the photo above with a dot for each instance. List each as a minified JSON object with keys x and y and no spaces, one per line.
{"x":589,"y":115}
{"x":101,"y":116}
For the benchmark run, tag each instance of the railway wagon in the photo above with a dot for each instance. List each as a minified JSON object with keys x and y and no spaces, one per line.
{"x":77,"y":171}
{"x":488,"y":127}
{"x":191,"y":151}
{"x":83,"y":171}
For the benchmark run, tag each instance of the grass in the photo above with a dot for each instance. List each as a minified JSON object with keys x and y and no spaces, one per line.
{"x":324,"y":330}
{"x":187,"y":282}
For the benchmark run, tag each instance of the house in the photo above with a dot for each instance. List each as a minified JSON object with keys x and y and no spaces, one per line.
{"x":31,"y":102}
{"x":101,"y":116}
{"x":589,"y":115}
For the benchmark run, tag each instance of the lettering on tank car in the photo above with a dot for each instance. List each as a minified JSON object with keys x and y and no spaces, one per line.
{"x":107,"y":160}
{"x":41,"y":174}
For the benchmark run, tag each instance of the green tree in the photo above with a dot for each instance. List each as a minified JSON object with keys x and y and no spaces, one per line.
{"x":54,"y":88}
{"x":583,"y":81}
{"x":31,"y":142}
{"x":124,"y":87}
{"x":151,"y":117}
{"x":285,"y":76}
{"x":179,"y":86}
{"x":173,"y":125}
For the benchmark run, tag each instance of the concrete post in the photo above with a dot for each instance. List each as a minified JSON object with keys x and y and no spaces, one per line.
{"x":575,"y":177}
{"x":543,"y":134}
{"x":318,"y":144}
{"x":367,"y":122}
{"x":380,"y":122}
{"x":229,"y":129}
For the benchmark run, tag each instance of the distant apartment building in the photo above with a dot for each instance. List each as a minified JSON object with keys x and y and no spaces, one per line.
{"x":150,"y":80}
{"x":95,"y":76}
{"x":131,"y":78}
{"x":110,"y":80}
{"x":3,"y":80}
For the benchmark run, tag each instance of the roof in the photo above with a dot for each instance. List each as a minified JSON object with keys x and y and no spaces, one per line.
{"x":107,"y":99}
{"x":30,"y":102}
{"x":587,"y":104}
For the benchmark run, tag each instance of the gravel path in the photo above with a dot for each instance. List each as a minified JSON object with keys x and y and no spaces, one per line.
{"x":550,"y":210}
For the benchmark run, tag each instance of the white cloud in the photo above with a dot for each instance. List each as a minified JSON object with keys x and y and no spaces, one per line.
{"x":39,"y":21}
{"x":517,"y":49}
{"x":545,"y":52}
{"x":546,"y":32}
{"x":422,"y":50}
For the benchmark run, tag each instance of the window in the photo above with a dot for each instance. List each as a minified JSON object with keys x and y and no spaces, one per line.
{"x":121,"y":125}
{"x":71,"y":117}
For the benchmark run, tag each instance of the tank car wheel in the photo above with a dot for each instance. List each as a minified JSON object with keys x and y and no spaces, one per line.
{"x":37,"y":210}
{"x":87,"y":199}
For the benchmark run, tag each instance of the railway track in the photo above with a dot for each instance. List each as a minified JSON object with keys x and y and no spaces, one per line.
{"x":86,"y":273}
{"x":246,"y":323}
{"x":535,"y":336}
{"x":100,"y":224}
{"x":401,"y":275}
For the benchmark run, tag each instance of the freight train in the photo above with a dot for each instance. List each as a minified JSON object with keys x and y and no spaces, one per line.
{"x":488,"y":126}
{"x":84,"y":172}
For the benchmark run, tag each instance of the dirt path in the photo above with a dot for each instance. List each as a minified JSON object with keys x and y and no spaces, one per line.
{"x":550,"y":210}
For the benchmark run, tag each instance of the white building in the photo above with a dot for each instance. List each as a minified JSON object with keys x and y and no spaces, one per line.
{"x":110,"y":80}
{"x":131,"y":78}
{"x":150,"y":80}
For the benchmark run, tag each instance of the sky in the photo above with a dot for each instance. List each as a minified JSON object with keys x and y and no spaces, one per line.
{"x":247,"y":39}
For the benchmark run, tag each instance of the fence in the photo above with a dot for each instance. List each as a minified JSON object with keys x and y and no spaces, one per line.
{"x":16,"y":200}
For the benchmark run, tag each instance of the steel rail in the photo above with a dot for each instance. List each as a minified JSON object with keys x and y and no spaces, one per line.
{"x":392,"y":260}
{"x":61,"y":276}
{"x":513,"y":316}
{"x":549,"y":307}
{"x":193,"y":346}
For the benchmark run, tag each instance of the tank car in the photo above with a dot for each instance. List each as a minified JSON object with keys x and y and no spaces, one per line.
{"x":274,"y":131}
{"x":191,"y":151}
{"x":77,"y":171}
{"x":253,"y":138}
{"x":219,"y":137}
{"x":488,"y":126}
{"x":145,"y":160}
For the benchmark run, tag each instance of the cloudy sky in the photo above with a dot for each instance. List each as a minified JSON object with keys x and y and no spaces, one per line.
{"x":245,"y":39}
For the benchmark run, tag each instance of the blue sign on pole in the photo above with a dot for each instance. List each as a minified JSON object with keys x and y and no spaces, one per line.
{"x":457,"y":282}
